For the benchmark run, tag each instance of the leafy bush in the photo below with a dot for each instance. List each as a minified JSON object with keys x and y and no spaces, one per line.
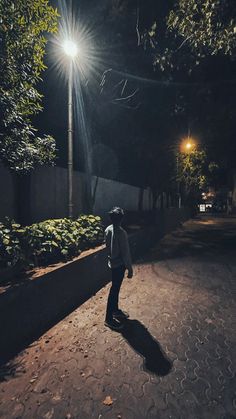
{"x":61,"y":239}
{"x":48,"y":241}
{"x":11,"y":251}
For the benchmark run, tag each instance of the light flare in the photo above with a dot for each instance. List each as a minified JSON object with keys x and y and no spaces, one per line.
{"x":187,"y":145}
{"x":70,"y":48}
{"x":75,"y":40}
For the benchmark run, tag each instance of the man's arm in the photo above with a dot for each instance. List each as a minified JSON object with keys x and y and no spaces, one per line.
{"x":108,"y":240}
{"x":125,"y":253}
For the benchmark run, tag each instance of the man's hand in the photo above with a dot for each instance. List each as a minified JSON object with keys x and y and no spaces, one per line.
{"x":130,"y":273}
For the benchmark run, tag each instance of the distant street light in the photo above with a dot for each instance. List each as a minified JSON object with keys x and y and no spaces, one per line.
{"x":71,"y":50}
{"x":187,"y":145}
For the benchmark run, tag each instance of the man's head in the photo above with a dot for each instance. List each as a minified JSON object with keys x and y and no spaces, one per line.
{"x":116,"y":215}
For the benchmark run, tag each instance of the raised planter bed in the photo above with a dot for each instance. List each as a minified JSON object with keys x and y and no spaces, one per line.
{"x":6,"y":274}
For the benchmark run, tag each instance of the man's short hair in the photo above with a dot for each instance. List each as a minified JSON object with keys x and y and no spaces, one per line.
{"x":116,"y":214}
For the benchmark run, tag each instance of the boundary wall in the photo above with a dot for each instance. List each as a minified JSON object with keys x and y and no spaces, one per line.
{"x":43,"y":195}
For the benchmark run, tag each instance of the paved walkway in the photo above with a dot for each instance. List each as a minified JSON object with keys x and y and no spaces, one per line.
{"x":175,"y":357}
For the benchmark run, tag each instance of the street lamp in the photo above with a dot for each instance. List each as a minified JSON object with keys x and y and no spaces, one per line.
{"x":187,"y":145}
{"x":178,"y":181}
{"x":71,"y":50}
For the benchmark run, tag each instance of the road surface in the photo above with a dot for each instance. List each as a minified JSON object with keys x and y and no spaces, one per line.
{"x":175,"y":357}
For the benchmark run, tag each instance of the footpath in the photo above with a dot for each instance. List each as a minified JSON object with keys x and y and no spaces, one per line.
{"x":175,"y":357}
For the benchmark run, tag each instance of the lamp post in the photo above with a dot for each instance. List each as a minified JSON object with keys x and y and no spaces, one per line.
{"x":187,"y":145}
{"x":71,"y":50}
{"x":178,"y":182}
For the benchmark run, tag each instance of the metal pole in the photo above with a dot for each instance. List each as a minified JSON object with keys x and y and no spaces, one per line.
{"x":178,"y":183}
{"x":70,"y":142}
{"x":179,"y":198}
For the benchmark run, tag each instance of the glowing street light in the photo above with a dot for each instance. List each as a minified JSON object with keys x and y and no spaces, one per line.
{"x":71,"y":50}
{"x":187,"y":145}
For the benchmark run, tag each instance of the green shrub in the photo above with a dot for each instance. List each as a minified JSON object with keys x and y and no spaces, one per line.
{"x":90,"y":231}
{"x":48,"y":241}
{"x":61,"y":239}
{"x":11,"y":252}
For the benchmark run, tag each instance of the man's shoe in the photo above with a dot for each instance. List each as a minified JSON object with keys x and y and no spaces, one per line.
{"x":113,"y":324}
{"x":119,"y":314}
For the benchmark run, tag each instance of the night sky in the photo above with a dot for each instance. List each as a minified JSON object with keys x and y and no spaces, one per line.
{"x":156,"y":117}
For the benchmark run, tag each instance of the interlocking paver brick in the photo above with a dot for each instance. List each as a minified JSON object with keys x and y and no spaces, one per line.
{"x":175,"y":357}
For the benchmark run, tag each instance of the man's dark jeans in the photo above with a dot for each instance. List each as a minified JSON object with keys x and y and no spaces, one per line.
{"x":113,"y":298}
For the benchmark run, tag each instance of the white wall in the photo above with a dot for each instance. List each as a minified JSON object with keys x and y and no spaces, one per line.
{"x":110,"y":193}
{"x":7,"y":196}
{"x":48,"y":194}
{"x":234,"y":191}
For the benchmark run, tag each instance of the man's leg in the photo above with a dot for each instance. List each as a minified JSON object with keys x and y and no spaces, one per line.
{"x":113,"y":298}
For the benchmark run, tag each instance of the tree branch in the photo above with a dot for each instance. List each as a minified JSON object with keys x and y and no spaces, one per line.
{"x":127,"y":97}
{"x":137,"y":24}
{"x":185,"y":40}
{"x":124,"y":86}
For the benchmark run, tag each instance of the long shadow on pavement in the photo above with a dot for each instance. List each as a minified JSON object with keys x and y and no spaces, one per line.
{"x":9,"y":351}
{"x":139,"y":338}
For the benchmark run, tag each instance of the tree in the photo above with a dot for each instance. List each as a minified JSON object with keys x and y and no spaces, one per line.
{"x":207,"y":26}
{"x":191,"y":167}
{"x":190,"y":31}
{"x":195,"y":172}
{"x":22,"y":41}
{"x":193,"y":43}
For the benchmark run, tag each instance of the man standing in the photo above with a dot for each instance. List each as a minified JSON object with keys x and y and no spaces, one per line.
{"x":118,"y":261}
